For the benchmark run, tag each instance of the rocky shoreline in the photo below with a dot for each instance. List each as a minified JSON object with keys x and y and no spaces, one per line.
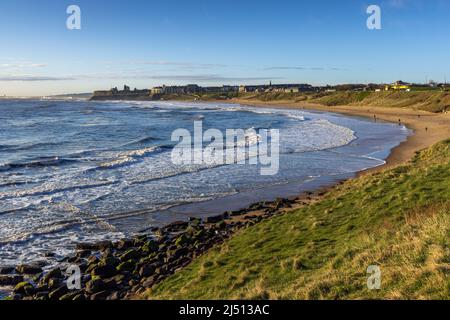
{"x":127,"y":268}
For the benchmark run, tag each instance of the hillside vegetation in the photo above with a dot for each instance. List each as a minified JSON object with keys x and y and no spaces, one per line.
{"x":430,"y":100}
{"x":397,"y":219}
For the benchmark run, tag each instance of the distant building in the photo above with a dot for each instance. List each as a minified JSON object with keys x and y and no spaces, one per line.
{"x":156,"y":90}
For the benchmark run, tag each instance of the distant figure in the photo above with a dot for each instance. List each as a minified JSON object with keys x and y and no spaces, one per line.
{"x":418,"y":116}
{"x":426,"y":129}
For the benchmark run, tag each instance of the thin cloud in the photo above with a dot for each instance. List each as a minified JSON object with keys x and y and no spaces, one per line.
{"x":176,"y":64}
{"x":175,"y":77}
{"x":22,"y":65}
{"x":209,"y":78}
{"x":301,"y":68}
{"x":33,"y":78}
{"x":205,"y":78}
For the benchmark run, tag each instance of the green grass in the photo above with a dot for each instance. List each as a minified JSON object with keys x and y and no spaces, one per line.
{"x":426,"y":100}
{"x":397,"y":219}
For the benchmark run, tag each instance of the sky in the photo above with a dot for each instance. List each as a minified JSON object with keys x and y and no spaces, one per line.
{"x":145,"y":43}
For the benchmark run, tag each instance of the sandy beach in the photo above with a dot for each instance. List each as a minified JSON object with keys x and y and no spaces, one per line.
{"x":429,"y":128}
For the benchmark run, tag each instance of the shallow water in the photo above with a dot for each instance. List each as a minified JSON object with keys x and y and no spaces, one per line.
{"x":84,"y":171}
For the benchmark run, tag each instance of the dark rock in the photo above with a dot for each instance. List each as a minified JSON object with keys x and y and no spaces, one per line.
{"x":114,"y":296}
{"x":221,"y":225}
{"x":83,"y":253}
{"x":54,"y":283}
{"x":70,"y":296}
{"x":58,"y":293}
{"x":95,"y":285}
{"x":86,"y":247}
{"x":161,"y":270}
{"x":198,"y":235}
{"x":126,"y":266}
{"x":74,"y":259}
{"x":150,"y":247}
{"x":131,"y":254}
{"x":215,"y":219}
{"x":139,"y":240}
{"x":182,"y":240}
{"x":28,"y":269}
{"x":149,"y":282}
{"x":41,"y":295}
{"x":104,"y":271}
{"x":238,"y":213}
{"x":124,"y":244}
{"x":94,"y":246}
{"x":121,"y":279}
{"x":10,"y":280}
{"x":195,"y":221}
{"x":179,"y":253}
{"x":24,"y":288}
{"x":147,"y":271}
{"x":79,"y":297}
{"x":102,"y":295}
{"x":6,"y":269}
{"x":113,"y":261}
{"x":52,"y":275}
{"x":49,"y":254}
{"x":176,"y":226}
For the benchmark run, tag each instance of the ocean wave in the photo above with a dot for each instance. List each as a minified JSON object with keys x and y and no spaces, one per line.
{"x":128,"y":157}
{"x":141,"y":141}
{"x":40,"y":191}
{"x":26,"y":147}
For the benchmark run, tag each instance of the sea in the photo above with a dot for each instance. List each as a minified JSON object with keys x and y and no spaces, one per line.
{"x":84,"y":171}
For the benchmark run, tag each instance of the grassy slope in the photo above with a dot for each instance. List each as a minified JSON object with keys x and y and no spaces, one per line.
{"x":397,"y":219}
{"x":430,"y":100}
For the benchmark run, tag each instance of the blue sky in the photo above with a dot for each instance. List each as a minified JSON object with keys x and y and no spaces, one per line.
{"x":145,"y":43}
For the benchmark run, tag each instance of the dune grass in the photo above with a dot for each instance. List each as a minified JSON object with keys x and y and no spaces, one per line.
{"x":429,"y":100}
{"x":397,"y":219}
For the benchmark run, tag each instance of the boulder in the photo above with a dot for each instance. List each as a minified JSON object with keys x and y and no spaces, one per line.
{"x":24,"y":288}
{"x":28,"y":269}
{"x":102,"y":245}
{"x":41,"y":295}
{"x":126,"y":266}
{"x":6,"y":269}
{"x":150,"y":247}
{"x":58,"y":293}
{"x":176,"y":226}
{"x":182,"y":240}
{"x":104,"y":271}
{"x":102,"y":295}
{"x":131,"y":254}
{"x":149,"y":282}
{"x":147,"y":270}
{"x":70,"y":296}
{"x":215,"y":219}
{"x":95,"y":285}
{"x":10,"y":280}
{"x":124,"y":244}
